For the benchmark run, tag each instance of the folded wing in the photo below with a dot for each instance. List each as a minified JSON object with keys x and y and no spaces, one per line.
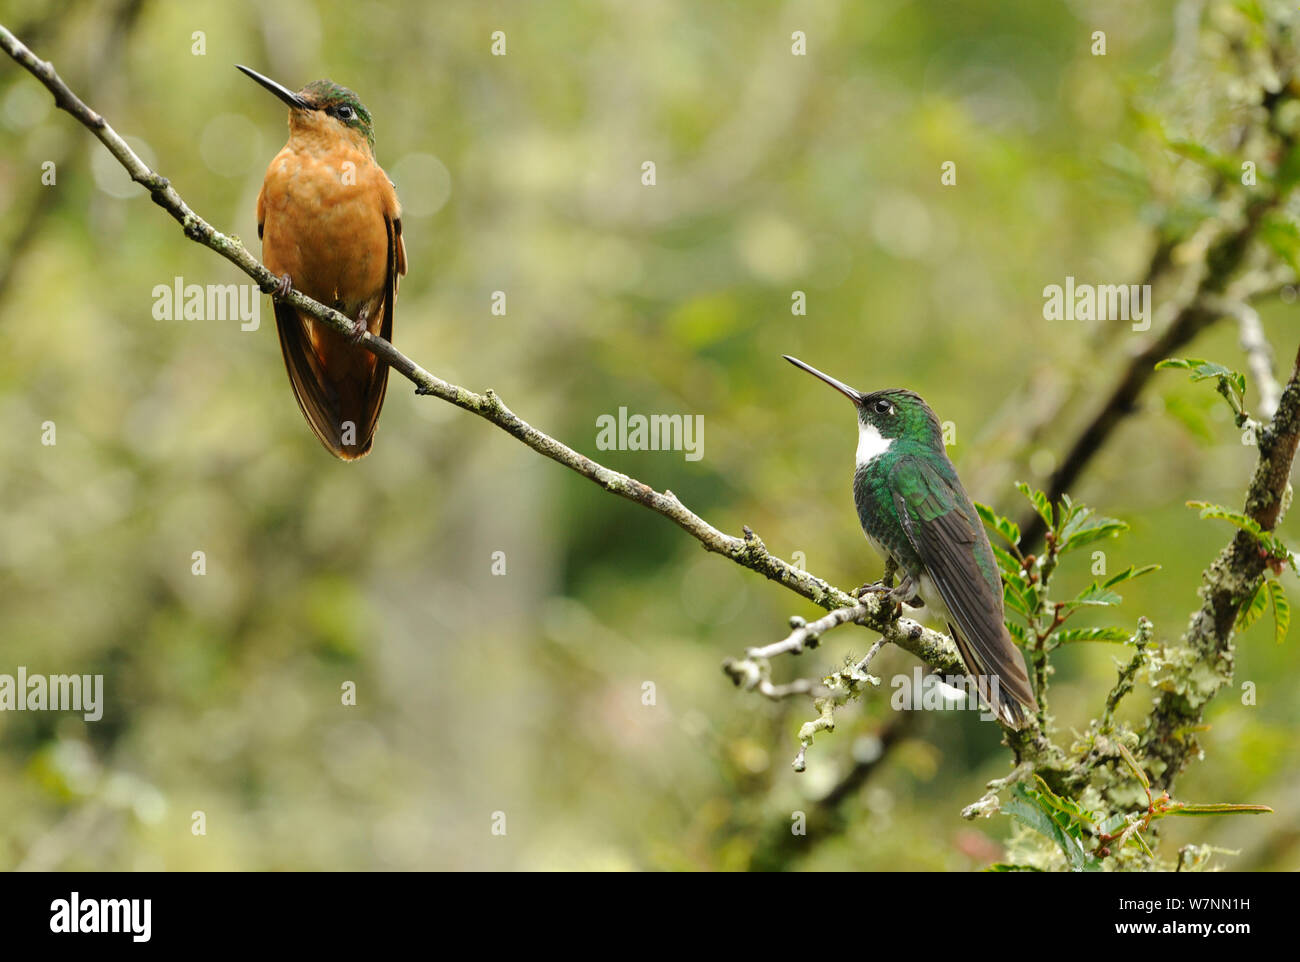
{"x":943,"y":528}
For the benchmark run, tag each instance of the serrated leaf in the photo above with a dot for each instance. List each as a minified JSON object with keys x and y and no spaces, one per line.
{"x":1113,"y":824}
{"x":1129,"y":573}
{"x":1252,"y":609}
{"x":1094,"y":595}
{"x":1111,"y":634}
{"x":1277,"y":548}
{"x":1027,"y":807}
{"x":1232,"y":384}
{"x":1039,"y":500}
{"x":1095,"y":531}
{"x":1005,"y":561}
{"x":1013,"y":599}
{"x":1204,"y":370}
{"x":1220,"y":513}
{"x":1019,"y":632}
{"x":1007,"y":528}
{"x":1281,"y":611}
{"x":1067,"y":805}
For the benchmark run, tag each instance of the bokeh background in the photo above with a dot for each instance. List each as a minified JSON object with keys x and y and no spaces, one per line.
{"x":522,"y":693}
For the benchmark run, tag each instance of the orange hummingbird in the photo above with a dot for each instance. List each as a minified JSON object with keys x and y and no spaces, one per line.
{"x":331,"y":226}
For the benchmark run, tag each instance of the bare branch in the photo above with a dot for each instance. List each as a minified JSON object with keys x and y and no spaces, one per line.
{"x":754,"y":671}
{"x":1259,"y":357}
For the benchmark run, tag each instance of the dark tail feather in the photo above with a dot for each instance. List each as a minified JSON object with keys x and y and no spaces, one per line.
{"x":328,"y":402}
{"x":1006,"y":692}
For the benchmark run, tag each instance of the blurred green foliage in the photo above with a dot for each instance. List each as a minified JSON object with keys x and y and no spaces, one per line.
{"x":522,"y":693}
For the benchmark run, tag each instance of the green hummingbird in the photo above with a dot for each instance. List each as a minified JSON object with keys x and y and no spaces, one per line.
{"x":915,"y":513}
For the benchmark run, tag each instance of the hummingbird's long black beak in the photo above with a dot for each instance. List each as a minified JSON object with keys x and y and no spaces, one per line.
{"x":848,"y":392}
{"x":284,"y":93}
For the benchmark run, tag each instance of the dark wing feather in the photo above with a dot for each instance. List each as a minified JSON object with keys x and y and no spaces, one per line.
{"x":322,"y":403}
{"x":314,"y":391}
{"x":943,"y":529}
{"x":378,"y":386}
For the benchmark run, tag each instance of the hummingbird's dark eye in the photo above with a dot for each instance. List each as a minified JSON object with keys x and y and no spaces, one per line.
{"x":883,"y":407}
{"x":343,"y":112}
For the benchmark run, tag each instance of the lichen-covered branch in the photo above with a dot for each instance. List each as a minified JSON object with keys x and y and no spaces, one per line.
{"x":1128,"y":674}
{"x":1193,"y":672}
{"x":754,"y":671}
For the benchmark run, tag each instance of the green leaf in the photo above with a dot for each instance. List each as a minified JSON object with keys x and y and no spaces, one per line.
{"x":1252,"y":609}
{"x":1012,"y":598}
{"x":1003,"y":526}
{"x":1232,"y":384}
{"x":1202,"y":370}
{"x":1281,"y":611}
{"x":1005,"y":561}
{"x":1027,"y":807}
{"x":1039,"y":500}
{"x":1094,"y":595}
{"x":1093,"y":531}
{"x":1019,"y":632}
{"x":1129,"y":573}
{"x":1133,"y":765}
{"x":1216,"y":808}
{"x":1137,"y":839}
{"x":1219,"y":512}
{"x":1116,"y":634}
{"x":1278,"y":550}
{"x":1113,"y":824}
{"x":1068,"y":806}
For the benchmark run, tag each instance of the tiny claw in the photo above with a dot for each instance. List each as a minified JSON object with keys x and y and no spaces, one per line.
{"x":901,"y":598}
{"x":360,"y":326}
{"x":284,"y":287}
{"x":872,"y":588}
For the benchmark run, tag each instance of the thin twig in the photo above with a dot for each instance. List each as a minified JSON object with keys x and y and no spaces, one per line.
{"x":1259,"y":357}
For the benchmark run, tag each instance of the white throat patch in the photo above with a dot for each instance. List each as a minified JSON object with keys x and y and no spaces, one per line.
{"x":870,"y":444}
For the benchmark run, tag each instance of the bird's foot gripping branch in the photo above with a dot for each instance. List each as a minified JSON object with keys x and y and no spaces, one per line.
{"x":1039,"y":623}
